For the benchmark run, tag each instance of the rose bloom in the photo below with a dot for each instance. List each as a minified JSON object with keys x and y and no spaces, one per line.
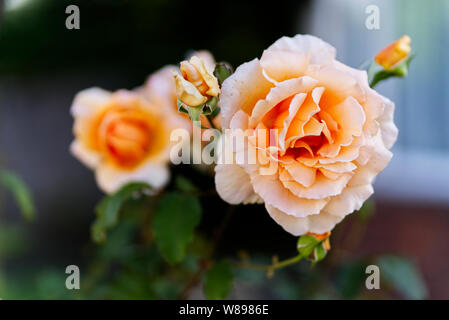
{"x":123,"y":137}
{"x":334,"y":135}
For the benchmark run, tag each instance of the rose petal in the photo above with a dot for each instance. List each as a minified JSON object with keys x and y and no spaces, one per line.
{"x":350,"y":116}
{"x":339,"y":85}
{"x":380,"y":157}
{"x":207,"y":57}
{"x":296,"y":129}
{"x":280,"y":92}
{"x":187,"y":92}
{"x":279,"y":67}
{"x":292,"y":110}
{"x":160,"y":86}
{"x":319,"y":223}
{"x":330,"y":174}
{"x":242,"y":90}
{"x":240,"y":120}
{"x":269,"y":188}
{"x":301,"y":173}
{"x":89,"y":101}
{"x":338,"y":167}
{"x":89,"y":158}
{"x":318,"y":51}
{"x":351,"y":199}
{"x":387,"y":126}
{"x":233,"y":184}
{"x":346,"y":154}
{"x":210,"y":79}
{"x":372,"y":105}
{"x":110,"y":179}
{"x":320,"y":189}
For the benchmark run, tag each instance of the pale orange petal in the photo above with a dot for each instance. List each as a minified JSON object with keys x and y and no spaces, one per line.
{"x":301,"y":173}
{"x":242,"y":90}
{"x":233,"y":184}
{"x":269,"y":188}
{"x":320,"y":189}
{"x":278,"y":64}
{"x":282,"y":91}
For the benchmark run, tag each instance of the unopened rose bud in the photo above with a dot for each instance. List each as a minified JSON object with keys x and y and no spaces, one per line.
{"x":320,"y":251}
{"x":324,"y":236}
{"x":195,"y":85}
{"x":314,"y":246}
{"x":394,"y":53}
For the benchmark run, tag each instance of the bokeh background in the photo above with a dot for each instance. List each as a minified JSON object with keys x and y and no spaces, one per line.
{"x":43,"y":65}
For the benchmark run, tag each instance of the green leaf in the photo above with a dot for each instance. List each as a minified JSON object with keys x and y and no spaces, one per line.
{"x":350,"y":279}
{"x":109,"y":208}
{"x":184,"y":184}
{"x":174,"y":223}
{"x":215,"y":113}
{"x":377,"y":73}
{"x":20,"y":192}
{"x":210,"y":106}
{"x":306,"y":244}
{"x":218,"y":281}
{"x":403,"y":275}
{"x":120,"y":246}
{"x":165,"y":288}
{"x":182,"y":107}
{"x":367,"y":210}
{"x":222,"y":72}
{"x":13,"y":240}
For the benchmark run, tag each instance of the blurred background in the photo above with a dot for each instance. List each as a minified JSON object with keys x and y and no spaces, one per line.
{"x":119,"y":43}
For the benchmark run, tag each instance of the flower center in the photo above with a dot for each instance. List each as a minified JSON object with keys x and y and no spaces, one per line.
{"x":128,"y":135}
{"x":305,"y":131}
{"x":128,"y":141}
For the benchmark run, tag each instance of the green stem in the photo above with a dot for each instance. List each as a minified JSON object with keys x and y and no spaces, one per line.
{"x":287,"y":262}
{"x":273,"y":266}
{"x":373,"y":83}
{"x":211,"y":122}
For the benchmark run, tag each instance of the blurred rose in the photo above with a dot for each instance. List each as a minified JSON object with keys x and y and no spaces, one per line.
{"x":159,"y":89}
{"x":394,"y":53}
{"x":334,"y":137}
{"x":123,"y":137}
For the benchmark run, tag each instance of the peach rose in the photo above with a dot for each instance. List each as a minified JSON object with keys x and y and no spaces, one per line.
{"x":123,"y":137}
{"x":334,"y":135}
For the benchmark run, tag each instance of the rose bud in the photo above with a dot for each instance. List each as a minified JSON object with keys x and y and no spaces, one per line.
{"x":320,"y":251}
{"x":196,"y":84}
{"x":324,"y":236}
{"x":394,"y":53}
